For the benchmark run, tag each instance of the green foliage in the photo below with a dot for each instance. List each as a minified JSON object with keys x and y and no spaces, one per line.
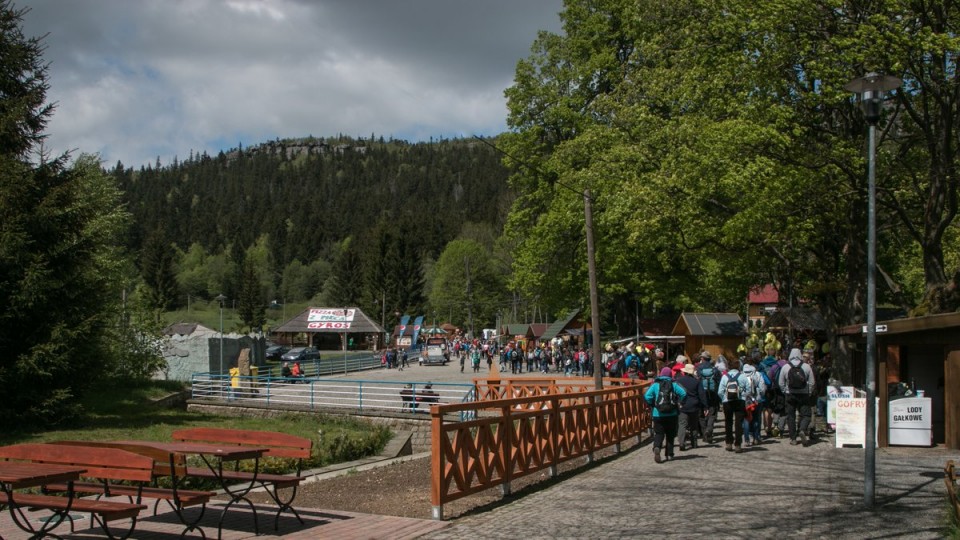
{"x":723,"y":152}
{"x":467,"y":280}
{"x":128,"y":412}
{"x":157,"y":267}
{"x":289,"y":206}
{"x":251,"y":307}
{"x":58,"y":273}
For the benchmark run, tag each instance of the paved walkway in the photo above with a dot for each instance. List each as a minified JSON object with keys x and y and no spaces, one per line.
{"x":239,"y":525}
{"x":774,"y":490}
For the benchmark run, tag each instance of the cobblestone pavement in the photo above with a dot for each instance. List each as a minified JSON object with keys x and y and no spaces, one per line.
{"x":771,"y":490}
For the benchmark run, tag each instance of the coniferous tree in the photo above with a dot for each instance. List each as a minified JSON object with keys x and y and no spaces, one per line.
{"x":59,"y":263}
{"x":250,"y":305}
{"x":157,"y":268}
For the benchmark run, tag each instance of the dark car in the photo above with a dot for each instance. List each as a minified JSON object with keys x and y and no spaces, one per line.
{"x":301,"y":354}
{"x":274,"y":352}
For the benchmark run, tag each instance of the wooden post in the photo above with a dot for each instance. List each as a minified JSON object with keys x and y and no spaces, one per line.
{"x":951,"y":399}
{"x":436,"y":463}
{"x":506,"y":449}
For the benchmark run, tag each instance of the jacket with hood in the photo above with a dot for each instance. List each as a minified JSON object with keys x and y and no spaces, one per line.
{"x":795,"y":359}
{"x":757,"y":386}
{"x":730,"y":376}
{"x":651,"y":395}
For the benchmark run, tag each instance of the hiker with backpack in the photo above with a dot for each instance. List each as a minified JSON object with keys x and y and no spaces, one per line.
{"x":691,"y":408}
{"x":664,"y":396}
{"x":733,"y":389}
{"x":797,"y":382}
{"x":754,"y":401}
{"x":709,"y":377}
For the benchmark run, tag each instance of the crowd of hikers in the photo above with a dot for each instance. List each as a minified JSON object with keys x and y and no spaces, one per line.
{"x":760,"y":398}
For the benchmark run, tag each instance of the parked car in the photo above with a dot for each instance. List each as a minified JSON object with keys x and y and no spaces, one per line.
{"x":275,"y":352}
{"x":435,"y":352}
{"x":301,"y":354}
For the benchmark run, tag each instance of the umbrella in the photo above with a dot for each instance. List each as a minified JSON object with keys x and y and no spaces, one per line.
{"x":434,"y":330}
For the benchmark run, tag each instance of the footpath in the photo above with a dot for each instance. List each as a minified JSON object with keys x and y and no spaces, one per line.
{"x":769,"y":491}
{"x":774,"y":490}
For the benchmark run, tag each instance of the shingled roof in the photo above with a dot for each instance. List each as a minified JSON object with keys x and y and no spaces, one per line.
{"x":560,"y":325}
{"x":709,"y":324}
{"x":798,"y":318}
{"x":331,"y":321}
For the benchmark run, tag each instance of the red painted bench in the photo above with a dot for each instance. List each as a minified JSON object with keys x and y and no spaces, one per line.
{"x":278,"y":445}
{"x":100,"y":463}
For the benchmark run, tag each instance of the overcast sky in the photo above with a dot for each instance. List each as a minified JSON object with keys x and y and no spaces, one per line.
{"x":138,"y":80}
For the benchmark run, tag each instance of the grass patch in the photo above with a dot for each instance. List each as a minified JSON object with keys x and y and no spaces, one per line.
{"x":127,"y":412}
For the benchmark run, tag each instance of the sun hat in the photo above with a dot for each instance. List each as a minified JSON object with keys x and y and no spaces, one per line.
{"x":688,"y":369}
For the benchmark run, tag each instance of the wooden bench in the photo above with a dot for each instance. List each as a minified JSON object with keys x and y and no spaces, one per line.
{"x":950,"y":479}
{"x":164,"y":465}
{"x":411,"y":401}
{"x":100,"y":464}
{"x":278,"y":445}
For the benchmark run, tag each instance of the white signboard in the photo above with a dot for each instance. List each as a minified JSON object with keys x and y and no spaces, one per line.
{"x":910,"y":420}
{"x":852,"y":421}
{"x":330,"y":315}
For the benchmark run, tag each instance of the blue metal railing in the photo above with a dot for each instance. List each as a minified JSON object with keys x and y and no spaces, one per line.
{"x":315,"y":393}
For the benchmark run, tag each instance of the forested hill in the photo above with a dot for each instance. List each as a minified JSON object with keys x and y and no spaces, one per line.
{"x":297,"y":200}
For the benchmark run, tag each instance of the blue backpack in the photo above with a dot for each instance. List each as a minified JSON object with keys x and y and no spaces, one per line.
{"x":709,"y":379}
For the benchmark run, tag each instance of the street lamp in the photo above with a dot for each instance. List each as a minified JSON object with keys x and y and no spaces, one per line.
{"x":220,"y":298}
{"x":871,"y":88}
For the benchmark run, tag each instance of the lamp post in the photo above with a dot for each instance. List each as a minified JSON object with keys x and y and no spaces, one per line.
{"x":871,"y":88}
{"x":220,"y":298}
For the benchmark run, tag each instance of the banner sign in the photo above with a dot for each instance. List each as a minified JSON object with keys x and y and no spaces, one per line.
{"x":417,"y":324}
{"x":328,"y":325}
{"x":833,"y":394}
{"x":330,"y":315}
{"x":852,"y":421}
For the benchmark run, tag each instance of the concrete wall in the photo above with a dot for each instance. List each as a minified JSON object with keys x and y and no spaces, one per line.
{"x":200,"y":353}
{"x":417,"y":424}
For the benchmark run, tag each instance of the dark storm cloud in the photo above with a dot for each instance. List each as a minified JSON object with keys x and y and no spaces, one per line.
{"x":139,"y":80}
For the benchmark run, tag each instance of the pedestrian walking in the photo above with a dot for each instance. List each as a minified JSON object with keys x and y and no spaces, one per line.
{"x":733,"y":387}
{"x":753,"y":403}
{"x":709,"y":377}
{"x":797,"y":382}
{"x":691,"y":408}
{"x":664,"y":396}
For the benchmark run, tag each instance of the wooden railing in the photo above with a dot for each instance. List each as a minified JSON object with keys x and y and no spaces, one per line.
{"x":489,"y":389}
{"x":511,"y":438}
{"x":950,"y":479}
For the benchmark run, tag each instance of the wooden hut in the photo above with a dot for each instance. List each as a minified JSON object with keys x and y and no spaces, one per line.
{"x":716,"y":333}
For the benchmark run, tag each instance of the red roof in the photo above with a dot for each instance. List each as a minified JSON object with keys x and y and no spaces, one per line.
{"x":766,"y":294}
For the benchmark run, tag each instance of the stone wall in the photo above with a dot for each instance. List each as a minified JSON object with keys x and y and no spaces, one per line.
{"x":418,"y":425}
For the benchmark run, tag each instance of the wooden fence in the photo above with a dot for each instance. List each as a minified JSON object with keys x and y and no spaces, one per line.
{"x":511,"y":438}
{"x":950,"y":479}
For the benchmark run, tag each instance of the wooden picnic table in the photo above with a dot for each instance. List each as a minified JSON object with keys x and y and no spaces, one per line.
{"x":213,"y":456}
{"x":16,"y":475}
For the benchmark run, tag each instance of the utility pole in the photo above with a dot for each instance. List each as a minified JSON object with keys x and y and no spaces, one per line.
{"x":594,"y":301}
{"x":466,"y":267}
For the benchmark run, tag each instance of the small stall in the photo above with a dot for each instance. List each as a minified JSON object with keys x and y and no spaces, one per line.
{"x":918,"y":378}
{"x":716,"y":333}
